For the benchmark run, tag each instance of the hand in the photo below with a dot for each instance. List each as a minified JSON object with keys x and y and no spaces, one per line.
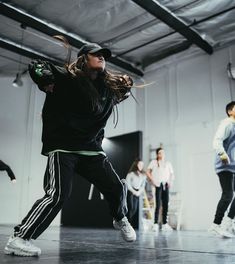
{"x":128,"y":80}
{"x":136,"y":193}
{"x":224,"y":158}
{"x":41,"y":73}
{"x":225,"y":161}
{"x":13,"y":181}
{"x":49,"y":88}
{"x":153,"y":183}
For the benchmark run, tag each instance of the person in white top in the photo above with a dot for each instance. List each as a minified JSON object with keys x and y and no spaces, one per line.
{"x":161,"y":175}
{"x":135,"y":180}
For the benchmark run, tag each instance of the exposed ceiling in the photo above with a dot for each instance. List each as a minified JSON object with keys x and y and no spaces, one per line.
{"x":139,"y":32}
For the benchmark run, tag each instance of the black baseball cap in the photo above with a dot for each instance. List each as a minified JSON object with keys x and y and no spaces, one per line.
{"x":94,"y":48}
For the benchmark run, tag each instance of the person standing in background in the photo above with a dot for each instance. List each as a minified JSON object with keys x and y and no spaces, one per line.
{"x":161,"y":175}
{"x":5,"y":167}
{"x":224,"y":146}
{"x":135,"y":180}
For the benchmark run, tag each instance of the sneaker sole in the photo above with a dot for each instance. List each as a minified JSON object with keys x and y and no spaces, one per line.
{"x":132,"y":240}
{"x":225,"y":235}
{"x":20,"y":252}
{"x":128,"y":239}
{"x":155,"y":230}
{"x":215,"y":233}
{"x":220,"y":234}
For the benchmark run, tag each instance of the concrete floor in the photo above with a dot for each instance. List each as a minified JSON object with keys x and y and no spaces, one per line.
{"x":76,"y":245}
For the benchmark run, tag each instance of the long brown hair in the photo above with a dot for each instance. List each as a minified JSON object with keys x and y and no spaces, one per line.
{"x":134,"y":167}
{"x":117,"y":83}
{"x":157,"y":151}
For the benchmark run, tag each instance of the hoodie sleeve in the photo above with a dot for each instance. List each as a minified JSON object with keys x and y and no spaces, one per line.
{"x":44,"y":73}
{"x":221,"y":134}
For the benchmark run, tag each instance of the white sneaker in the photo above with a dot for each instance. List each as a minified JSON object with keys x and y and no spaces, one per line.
{"x":166,"y":228}
{"x":155,"y":228}
{"x":116,"y":225}
{"x":227,"y":227}
{"x":21,"y":247}
{"x":127,"y":231}
{"x":233,"y":226}
{"x":215,"y":230}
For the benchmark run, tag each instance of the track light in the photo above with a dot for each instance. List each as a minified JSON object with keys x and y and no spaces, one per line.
{"x":231,"y":71}
{"x":18,"y":81}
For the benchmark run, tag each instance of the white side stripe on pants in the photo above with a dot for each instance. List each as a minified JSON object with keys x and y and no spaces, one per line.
{"x":58,"y":198}
{"x":36,"y":213}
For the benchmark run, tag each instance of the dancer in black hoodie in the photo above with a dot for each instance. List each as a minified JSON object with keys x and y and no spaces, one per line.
{"x":79,"y":100}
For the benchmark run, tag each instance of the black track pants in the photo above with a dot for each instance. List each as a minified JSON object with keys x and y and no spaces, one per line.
{"x":226,"y":179}
{"x":58,"y":178}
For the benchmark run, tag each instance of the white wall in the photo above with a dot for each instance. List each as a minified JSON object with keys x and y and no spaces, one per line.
{"x":20,"y":147}
{"x":182,"y":110}
{"x":126,"y":118}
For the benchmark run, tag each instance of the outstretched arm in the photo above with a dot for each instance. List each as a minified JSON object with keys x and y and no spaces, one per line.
{"x":5,"y":167}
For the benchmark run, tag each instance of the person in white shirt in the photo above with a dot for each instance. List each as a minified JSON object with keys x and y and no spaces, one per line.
{"x":135,"y":180}
{"x":161,"y":175}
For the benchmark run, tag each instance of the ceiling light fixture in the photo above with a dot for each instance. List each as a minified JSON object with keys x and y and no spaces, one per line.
{"x":18,"y":80}
{"x":231,"y":71}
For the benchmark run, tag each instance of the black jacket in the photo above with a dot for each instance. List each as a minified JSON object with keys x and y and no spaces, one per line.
{"x":70,"y":121}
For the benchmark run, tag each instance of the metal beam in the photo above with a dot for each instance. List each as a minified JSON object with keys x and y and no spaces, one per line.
{"x":148,"y":24}
{"x":167,"y":52}
{"x":50,"y":29}
{"x":157,"y":10}
{"x":122,"y":64}
{"x":194,"y":23}
{"x":25,"y":51}
{"x":38,"y":24}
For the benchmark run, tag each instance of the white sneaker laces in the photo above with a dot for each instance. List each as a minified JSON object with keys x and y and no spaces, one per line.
{"x":126,"y":227}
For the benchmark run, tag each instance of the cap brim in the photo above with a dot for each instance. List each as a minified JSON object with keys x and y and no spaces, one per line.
{"x":106,"y":52}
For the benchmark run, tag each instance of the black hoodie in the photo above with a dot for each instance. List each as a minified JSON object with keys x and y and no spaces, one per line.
{"x":71,"y":121}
